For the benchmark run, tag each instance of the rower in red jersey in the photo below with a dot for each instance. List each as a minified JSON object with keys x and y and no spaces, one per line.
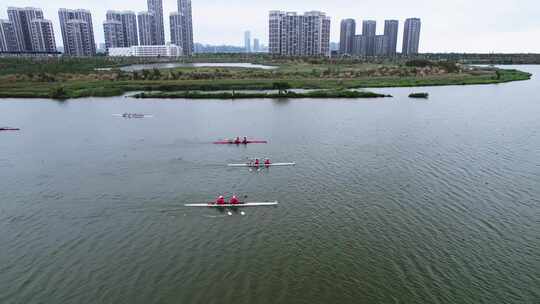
{"x":257,"y":163}
{"x":234,"y":200}
{"x":267,"y":162}
{"x":220,"y":200}
{"x":237,"y":140}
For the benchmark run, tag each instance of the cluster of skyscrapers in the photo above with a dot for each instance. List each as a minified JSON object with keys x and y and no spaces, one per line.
{"x":371,"y":44}
{"x":120,"y":28}
{"x":292,"y":34}
{"x":27,"y":31}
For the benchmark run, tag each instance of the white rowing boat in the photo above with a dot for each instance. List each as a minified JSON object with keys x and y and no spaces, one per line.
{"x":133,"y":115}
{"x":262,"y":165}
{"x":241,"y":205}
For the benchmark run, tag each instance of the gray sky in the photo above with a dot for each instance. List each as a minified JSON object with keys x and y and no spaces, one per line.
{"x":456,"y":25}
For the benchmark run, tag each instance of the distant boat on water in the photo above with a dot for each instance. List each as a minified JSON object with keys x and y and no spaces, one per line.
{"x":133,"y":115}
{"x":9,"y":129}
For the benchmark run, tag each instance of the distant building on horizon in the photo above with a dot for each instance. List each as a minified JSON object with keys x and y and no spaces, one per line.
{"x":77,"y":32}
{"x":391,"y":28}
{"x":347,"y":33}
{"x":147,"y":28}
{"x":247,"y":41}
{"x":411,"y":36}
{"x":256,"y":45}
{"x":207,"y":48}
{"x":8,"y":40}
{"x":156,"y":7}
{"x":371,"y":44}
{"x":291,"y":34}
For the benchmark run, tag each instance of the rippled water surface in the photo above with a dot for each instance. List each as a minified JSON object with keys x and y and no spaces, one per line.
{"x":140,"y":67}
{"x":392,"y":201}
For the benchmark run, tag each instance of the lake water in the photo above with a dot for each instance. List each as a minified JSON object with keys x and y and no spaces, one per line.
{"x":392,"y":201}
{"x":140,"y":67}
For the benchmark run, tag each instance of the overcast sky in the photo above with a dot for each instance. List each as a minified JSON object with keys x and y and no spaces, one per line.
{"x":447,"y":26}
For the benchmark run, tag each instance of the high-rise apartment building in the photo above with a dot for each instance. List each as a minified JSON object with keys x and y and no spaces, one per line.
{"x":247,"y":41}
{"x":42,"y":36}
{"x":369,"y":30}
{"x":129,"y":25}
{"x":346,"y":40}
{"x":114,"y":34}
{"x":291,"y":34}
{"x":77,"y":42}
{"x":274,"y":28}
{"x":21,"y":19}
{"x":185,"y":26}
{"x":147,"y":24}
{"x":77,"y":32}
{"x":8,"y":40}
{"x":175,"y":21}
{"x":156,"y":6}
{"x":411,"y":36}
{"x":391,"y":28}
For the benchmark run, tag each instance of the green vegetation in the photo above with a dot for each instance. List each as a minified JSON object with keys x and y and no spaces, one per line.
{"x":63,"y":78}
{"x":289,"y":94}
{"x":419,"y":95}
{"x":492,"y":58}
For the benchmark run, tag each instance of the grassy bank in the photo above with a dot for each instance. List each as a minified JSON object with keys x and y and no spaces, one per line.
{"x":242,"y":95}
{"x":75,"y":78}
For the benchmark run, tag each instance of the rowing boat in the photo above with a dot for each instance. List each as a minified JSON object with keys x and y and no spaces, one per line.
{"x":232,"y":142}
{"x":262,"y":165}
{"x":241,"y":205}
{"x":9,"y":129}
{"x":132,"y":115}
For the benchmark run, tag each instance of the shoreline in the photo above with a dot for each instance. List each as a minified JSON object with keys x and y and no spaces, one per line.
{"x":331,"y":81}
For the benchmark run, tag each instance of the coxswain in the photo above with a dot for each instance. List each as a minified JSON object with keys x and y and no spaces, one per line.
{"x":245,"y":141}
{"x":234,"y":200}
{"x":237,"y":140}
{"x":220,"y":200}
{"x":267,"y":162}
